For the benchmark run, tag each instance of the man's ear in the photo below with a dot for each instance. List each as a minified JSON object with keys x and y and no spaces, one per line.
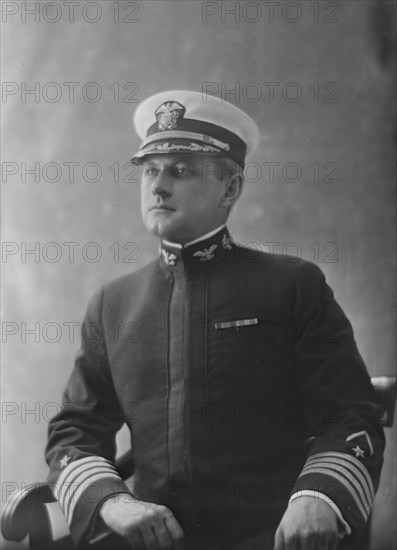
{"x":234,"y":185}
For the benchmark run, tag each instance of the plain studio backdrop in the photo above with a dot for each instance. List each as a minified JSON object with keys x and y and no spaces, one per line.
{"x":318,"y":78}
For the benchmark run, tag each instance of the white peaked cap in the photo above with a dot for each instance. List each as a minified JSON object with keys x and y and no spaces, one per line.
{"x":181,"y":121}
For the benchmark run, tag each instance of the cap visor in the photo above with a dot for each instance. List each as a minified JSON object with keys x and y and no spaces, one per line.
{"x":175,"y":147}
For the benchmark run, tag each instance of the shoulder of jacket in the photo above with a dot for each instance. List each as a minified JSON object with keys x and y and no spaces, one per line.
{"x":280,"y":264}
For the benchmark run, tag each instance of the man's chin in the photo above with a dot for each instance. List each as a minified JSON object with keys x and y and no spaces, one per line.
{"x":163,"y":228}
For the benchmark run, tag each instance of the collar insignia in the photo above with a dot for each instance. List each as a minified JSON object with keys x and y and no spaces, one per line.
{"x":227,"y":242}
{"x":207,"y":254}
{"x":169,"y":257}
{"x":168,"y":113}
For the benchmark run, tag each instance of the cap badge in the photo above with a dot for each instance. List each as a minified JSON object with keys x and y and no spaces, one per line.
{"x":168,"y":113}
{"x":207,"y":254}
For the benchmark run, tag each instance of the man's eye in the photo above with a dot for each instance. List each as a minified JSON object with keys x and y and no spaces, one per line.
{"x":151,"y":171}
{"x":182,"y":171}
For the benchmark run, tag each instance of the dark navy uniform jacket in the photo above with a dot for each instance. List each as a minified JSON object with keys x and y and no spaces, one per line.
{"x":239,"y":378}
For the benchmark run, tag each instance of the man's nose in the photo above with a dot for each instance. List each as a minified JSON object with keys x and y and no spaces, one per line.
{"x":162,"y":185}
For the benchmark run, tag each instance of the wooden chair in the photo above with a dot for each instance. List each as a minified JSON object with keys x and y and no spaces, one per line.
{"x":35,"y":513}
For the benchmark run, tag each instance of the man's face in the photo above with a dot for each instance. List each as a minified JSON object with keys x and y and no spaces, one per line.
{"x":180,"y":196}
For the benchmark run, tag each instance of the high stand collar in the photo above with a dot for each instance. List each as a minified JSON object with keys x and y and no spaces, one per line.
{"x":201,"y":255}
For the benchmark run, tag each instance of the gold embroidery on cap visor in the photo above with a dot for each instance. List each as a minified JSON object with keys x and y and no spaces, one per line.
{"x":192,"y":136}
{"x":174,"y":147}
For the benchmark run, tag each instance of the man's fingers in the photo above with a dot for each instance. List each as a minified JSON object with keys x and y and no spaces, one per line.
{"x":175,"y":530}
{"x":307,"y":524}
{"x":279,"y":540}
{"x":149,"y":537}
{"x":292,"y":543}
{"x":135,"y":540}
{"x":146,"y":526}
{"x":163,"y":536}
{"x":333,"y":542}
{"x":315,"y":541}
{"x":309,"y":541}
{"x":304,"y":541}
{"x":322,"y":542}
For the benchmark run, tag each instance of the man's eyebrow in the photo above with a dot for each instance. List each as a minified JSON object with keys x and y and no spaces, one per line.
{"x":190,"y":163}
{"x":193,"y":163}
{"x":150,"y":163}
{"x":185,"y":162}
{"x":172,"y":164}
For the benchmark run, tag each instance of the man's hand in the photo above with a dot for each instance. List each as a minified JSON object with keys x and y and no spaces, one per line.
{"x":146,"y":526}
{"x":308,"y":524}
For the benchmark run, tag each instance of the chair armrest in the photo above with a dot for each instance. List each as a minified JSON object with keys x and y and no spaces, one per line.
{"x":15,"y":518}
{"x":26,"y":511}
{"x":385,"y":391}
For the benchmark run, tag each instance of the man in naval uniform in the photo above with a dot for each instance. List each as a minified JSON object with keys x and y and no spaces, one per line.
{"x":253,"y":421}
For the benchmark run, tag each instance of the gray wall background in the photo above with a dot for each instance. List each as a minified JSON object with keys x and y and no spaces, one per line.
{"x":346,"y":47}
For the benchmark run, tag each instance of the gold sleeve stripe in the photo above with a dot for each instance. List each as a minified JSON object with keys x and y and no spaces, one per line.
{"x":347,"y":459}
{"x":77,"y":476}
{"x":364,"y":510}
{"x":348,"y":468}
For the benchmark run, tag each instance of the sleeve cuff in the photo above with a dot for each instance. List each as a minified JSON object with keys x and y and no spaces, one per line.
{"x":82,"y":487}
{"x":344,"y":480}
{"x":344,"y":528}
